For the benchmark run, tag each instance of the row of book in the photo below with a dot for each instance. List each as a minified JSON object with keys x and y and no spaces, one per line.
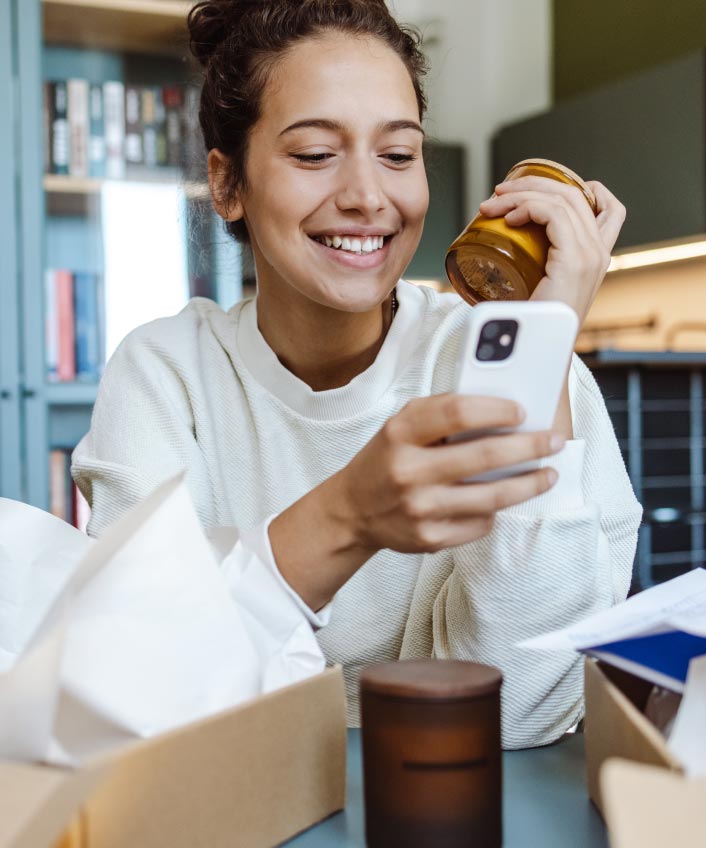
{"x":74,"y":325}
{"x":100,"y":129}
{"x":65,"y":499}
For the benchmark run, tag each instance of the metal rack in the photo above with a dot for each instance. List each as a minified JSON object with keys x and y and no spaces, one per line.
{"x":656,"y":402}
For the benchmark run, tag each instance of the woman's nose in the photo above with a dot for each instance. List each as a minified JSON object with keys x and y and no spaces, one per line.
{"x":360,"y":188}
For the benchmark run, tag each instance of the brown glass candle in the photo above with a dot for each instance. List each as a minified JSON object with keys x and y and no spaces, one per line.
{"x":431,"y":754}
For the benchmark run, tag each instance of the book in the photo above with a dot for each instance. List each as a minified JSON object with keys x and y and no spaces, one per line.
{"x":81,"y":512}
{"x":77,"y":109}
{"x":160,"y":123}
{"x":47,"y":95}
{"x":96,"y":131}
{"x":114,"y":128}
{"x":66,"y":363}
{"x":134,"y":153}
{"x":51,"y":325}
{"x":59,"y":128}
{"x":173,"y":100}
{"x":60,"y":496}
{"x":86,"y":325}
{"x":149,"y":128}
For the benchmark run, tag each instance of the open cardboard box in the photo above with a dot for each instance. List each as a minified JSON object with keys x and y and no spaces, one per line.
{"x":254,"y":775}
{"x":633,"y":778}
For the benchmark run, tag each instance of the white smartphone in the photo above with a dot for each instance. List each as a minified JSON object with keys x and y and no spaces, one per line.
{"x":519,"y":350}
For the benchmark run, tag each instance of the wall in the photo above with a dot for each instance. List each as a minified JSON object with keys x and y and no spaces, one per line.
{"x":491,"y":65}
{"x":596,"y":41}
{"x":673,"y":293}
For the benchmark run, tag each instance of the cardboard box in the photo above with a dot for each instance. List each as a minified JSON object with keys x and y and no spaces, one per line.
{"x":633,"y":778}
{"x":252,"y":776}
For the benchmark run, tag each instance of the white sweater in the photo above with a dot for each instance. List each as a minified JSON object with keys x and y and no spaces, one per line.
{"x":202,"y":391}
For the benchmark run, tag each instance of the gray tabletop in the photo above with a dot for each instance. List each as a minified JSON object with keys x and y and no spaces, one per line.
{"x":545,"y":802}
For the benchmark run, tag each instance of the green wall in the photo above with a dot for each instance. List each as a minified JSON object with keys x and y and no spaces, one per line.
{"x":596,"y":41}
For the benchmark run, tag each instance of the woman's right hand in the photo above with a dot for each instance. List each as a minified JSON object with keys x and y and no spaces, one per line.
{"x":403,"y":491}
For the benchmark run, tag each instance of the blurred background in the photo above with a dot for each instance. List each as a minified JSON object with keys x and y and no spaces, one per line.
{"x":105,"y":220}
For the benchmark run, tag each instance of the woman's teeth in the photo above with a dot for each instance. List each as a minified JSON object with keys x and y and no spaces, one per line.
{"x":354,"y":245}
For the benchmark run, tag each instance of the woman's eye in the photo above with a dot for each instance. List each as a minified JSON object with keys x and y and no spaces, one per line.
{"x":400,"y":158}
{"x":311,"y":158}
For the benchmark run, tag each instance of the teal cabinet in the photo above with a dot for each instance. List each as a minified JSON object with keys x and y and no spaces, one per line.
{"x":10,"y":382}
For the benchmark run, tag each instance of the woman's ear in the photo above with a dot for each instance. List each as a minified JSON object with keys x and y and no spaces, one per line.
{"x":228,"y":208}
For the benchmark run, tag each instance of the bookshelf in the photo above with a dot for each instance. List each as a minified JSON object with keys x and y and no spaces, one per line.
{"x":139,"y":26}
{"x":91,"y":223}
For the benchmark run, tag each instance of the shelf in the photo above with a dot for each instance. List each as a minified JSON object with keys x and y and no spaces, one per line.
{"x":141,"y":26}
{"x":612,"y":356}
{"x":68,"y":195}
{"x":71,"y":394}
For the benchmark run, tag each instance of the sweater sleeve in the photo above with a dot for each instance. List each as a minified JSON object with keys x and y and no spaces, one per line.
{"x":142,"y":433}
{"x":546,"y":563}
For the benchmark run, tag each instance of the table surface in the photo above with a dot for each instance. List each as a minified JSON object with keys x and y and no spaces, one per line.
{"x":545,"y":802}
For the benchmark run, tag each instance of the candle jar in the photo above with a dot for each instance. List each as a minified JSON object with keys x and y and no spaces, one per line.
{"x":431,"y":754}
{"x":74,"y":836}
{"x":493,"y":261}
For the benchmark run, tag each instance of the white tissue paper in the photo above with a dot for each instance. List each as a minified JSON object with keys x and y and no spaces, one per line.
{"x":136,"y":633}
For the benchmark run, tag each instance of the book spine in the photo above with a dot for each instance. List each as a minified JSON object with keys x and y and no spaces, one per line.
{"x":193,"y":139}
{"x":160,"y":123}
{"x":58,"y":502}
{"x":47,"y":95}
{"x":81,"y":509}
{"x":51,"y":325}
{"x":59,"y":128}
{"x":114,"y":123}
{"x":173,"y":103}
{"x":134,"y":154}
{"x":149,"y":128}
{"x":86,"y":323}
{"x":77,"y":95}
{"x":96,"y":132}
{"x":66,"y":365}
{"x":101,"y":322}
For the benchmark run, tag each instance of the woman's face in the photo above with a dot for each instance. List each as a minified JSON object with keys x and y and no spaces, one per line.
{"x":337,"y":190}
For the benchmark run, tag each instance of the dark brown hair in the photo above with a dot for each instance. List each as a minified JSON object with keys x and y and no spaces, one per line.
{"x":238,"y":42}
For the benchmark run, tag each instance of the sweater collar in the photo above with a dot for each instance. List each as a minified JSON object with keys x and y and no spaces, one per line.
{"x":357,"y":395}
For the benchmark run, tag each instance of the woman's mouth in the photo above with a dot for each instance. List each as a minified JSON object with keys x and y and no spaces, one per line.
{"x":354,"y":251}
{"x":353,"y":244}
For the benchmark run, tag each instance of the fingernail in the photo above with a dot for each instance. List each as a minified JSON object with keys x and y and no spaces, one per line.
{"x":557,"y":441}
{"x":552,"y":476}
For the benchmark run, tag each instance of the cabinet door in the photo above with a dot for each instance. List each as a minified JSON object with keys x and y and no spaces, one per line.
{"x":10,"y":468}
{"x":117,"y":223}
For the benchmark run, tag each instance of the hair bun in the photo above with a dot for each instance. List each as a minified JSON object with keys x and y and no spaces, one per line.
{"x":210,"y":23}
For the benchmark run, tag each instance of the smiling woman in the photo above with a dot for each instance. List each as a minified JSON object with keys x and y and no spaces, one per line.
{"x":314,"y":417}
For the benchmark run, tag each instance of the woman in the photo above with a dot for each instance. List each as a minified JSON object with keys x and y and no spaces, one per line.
{"x":313,"y":417}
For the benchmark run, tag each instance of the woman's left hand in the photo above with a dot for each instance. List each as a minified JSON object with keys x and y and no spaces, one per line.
{"x":580,"y":243}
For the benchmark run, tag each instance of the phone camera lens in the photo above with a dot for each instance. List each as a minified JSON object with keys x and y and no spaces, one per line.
{"x":490,"y":330}
{"x":486,"y":352}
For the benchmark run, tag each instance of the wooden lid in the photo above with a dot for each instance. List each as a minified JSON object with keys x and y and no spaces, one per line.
{"x":442,"y":680}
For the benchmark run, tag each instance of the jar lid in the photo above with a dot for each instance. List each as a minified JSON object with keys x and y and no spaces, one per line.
{"x":569,"y":175}
{"x":443,"y":680}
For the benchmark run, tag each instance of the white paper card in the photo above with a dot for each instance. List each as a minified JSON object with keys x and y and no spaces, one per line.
{"x":687,"y":741}
{"x":677,"y":604}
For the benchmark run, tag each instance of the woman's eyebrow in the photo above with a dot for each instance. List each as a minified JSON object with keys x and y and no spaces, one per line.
{"x":337,"y":126}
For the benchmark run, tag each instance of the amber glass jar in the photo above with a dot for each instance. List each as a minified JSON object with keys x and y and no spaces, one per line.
{"x":492,"y":261}
{"x":431,"y":754}
{"x":75,"y":835}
